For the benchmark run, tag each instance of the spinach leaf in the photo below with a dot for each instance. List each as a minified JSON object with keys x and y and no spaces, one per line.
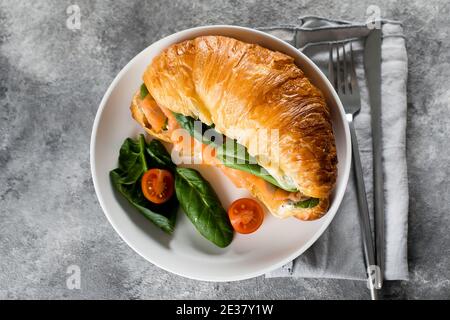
{"x":203,"y":207}
{"x":144,"y":91}
{"x":198,"y":131}
{"x":153,"y":212}
{"x":308,"y":203}
{"x":126,"y":179}
{"x":132,"y":160}
{"x":158,"y":156}
{"x":238,"y":158}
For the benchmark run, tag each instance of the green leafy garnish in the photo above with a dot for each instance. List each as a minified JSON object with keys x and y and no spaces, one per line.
{"x":158,"y":156}
{"x":144,"y":91}
{"x":237,"y":157}
{"x":198,"y":132}
{"x":202,"y":206}
{"x":136,"y":157}
{"x":308,"y":203}
{"x":132,"y":162}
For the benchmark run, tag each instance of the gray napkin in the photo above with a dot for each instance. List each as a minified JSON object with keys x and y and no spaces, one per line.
{"x":338,"y":252}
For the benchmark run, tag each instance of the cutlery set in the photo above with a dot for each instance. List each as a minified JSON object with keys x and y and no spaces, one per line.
{"x":342,"y":75}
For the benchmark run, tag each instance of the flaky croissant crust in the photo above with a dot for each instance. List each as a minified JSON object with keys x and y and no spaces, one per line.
{"x":238,"y":86}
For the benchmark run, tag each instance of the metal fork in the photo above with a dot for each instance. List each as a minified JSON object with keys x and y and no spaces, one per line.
{"x":341,"y":72}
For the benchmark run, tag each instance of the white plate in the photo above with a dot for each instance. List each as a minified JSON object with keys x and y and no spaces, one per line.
{"x":186,"y":252}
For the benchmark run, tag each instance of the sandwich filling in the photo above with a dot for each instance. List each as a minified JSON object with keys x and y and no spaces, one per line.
{"x":275,"y":189}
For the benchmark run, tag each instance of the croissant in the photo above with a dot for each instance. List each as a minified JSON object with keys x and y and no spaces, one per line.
{"x":241,"y":88}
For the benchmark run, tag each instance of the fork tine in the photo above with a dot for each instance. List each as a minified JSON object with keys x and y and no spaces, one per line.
{"x":345,"y":81}
{"x":331,"y":66}
{"x":354,"y":81}
{"x":338,"y":69}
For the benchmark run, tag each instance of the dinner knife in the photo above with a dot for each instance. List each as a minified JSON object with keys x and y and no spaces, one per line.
{"x":372,"y":62}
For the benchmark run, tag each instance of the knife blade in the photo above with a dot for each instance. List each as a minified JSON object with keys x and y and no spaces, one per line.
{"x":372,"y":62}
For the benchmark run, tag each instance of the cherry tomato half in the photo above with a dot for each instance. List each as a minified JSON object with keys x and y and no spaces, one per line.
{"x":157,"y":185}
{"x":246,"y":215}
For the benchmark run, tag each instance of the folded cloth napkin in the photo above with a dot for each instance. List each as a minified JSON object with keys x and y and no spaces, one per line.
{"x":338,"y":252}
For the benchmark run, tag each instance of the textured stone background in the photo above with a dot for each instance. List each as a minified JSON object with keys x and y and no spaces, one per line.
{"x":51,"y":82}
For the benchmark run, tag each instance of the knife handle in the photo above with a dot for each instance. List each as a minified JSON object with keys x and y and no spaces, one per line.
{"x":364,"y":218}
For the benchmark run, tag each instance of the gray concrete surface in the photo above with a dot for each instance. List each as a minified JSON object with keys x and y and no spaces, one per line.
{"x":51,"y":82}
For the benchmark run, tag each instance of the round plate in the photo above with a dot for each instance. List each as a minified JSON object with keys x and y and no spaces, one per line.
{"x":186,"y":252}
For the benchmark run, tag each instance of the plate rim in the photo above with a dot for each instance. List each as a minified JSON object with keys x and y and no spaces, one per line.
{"x":248,"y":275}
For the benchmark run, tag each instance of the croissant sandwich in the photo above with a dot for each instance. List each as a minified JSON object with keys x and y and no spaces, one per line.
{"x":238,"y":90}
